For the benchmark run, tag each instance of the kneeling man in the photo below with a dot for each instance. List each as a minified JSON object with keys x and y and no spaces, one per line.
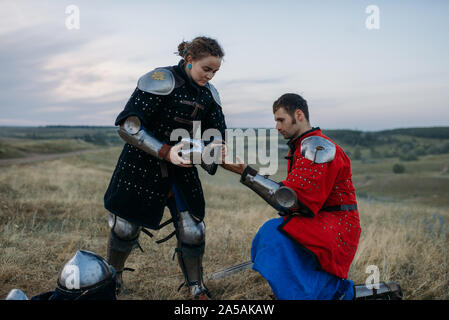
{"x":306,"y":254}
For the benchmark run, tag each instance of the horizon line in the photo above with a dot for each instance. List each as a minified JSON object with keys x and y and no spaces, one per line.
{"x":109,"y":126}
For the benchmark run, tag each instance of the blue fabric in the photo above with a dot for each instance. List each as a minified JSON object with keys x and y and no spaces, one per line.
{"x":291,"y":271}
{"x":180,"y":203}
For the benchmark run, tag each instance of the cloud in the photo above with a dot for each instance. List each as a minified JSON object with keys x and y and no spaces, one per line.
{"x":362,"y":79}
{"x":56,"y":109}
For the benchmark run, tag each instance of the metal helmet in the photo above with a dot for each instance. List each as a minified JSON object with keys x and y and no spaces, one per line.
{"x":86,"y":276}
{"x":16,"y":294}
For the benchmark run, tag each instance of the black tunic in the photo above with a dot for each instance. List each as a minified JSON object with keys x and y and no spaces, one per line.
{"x":138,"y":189}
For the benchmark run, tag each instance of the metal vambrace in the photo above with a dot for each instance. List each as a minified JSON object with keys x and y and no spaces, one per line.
{"x":276,"y":195}
{"x":132,"y":131}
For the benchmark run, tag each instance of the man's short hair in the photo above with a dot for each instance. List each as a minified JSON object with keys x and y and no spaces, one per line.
{"x":291,"y":102}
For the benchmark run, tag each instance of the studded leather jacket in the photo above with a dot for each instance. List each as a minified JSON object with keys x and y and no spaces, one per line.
{"x":140,"y":183}
{"x":328,"y":226}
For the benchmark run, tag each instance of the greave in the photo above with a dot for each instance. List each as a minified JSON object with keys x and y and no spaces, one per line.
{"x":118,"y":251}
{"x":190,"y":260}
{"x":190,"y":249}
{"x":117,"y":258}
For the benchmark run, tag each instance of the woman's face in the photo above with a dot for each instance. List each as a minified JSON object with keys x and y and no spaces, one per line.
{"x":204,"y":69}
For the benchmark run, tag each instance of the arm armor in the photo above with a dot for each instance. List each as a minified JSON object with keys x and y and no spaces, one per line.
{"x":276,"y":195}
{"x":132,"y":131}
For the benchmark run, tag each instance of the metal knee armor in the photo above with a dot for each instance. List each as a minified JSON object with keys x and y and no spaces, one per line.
{"x":124,"y":234}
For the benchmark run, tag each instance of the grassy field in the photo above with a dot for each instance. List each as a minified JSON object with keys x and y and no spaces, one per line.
{"x":50,"y":209}
{"x":18,"y":142}
{"x":18,"y":148}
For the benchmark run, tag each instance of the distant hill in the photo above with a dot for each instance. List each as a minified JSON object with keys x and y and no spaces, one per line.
{"x":406,"y":143}
{"x":99,"y":135}
{"x":355,"y":136}
{"x":431,"y":132}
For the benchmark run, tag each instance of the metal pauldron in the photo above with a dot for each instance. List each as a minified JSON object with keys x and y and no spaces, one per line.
{"x":159,"y":81}
{"x":318,"y":149}
{"x":281,"y":198}
{"x":214,"y":92}
{"x":132,"y":131}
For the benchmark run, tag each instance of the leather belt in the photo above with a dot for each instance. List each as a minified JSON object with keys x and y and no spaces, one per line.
{"x":196,"y":105}
{"x":342,"y":207}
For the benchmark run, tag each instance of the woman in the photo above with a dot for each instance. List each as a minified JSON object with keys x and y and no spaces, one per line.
{"x":150,"y":174}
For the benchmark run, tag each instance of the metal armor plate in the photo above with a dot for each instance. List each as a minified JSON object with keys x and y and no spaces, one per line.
{"x":279,"y":197}
{"x":286,"y":197}
{"x":214,"y":92}
{"x":191,"y":232}
{"x":159,"y":81}
{"x":378,"y":291}
{"x":318,"y":149}
{"x":122,"y":228}
{"x":134,"y":133}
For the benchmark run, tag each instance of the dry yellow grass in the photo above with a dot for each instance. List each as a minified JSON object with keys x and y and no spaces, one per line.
{"x":49,"y":210}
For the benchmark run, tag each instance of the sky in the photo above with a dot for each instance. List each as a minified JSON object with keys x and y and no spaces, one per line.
{"x":353,"y":76}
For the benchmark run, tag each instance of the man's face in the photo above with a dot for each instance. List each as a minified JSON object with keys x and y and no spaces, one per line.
{"x":287,"y":126}
{"x":203,"y":70}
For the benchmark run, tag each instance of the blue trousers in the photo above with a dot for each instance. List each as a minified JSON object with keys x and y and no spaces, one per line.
{"x":291,"y":271}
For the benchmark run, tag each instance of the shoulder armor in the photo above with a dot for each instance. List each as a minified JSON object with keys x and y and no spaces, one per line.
{"x":318,"y":149}
{"x":214,"y":93}
{"x":160,"y":81}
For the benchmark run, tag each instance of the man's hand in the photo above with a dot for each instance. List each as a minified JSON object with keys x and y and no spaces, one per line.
{"x":237,"y":167}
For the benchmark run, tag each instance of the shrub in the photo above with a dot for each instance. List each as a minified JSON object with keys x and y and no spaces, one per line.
{"x":408,"y":156}
{"x":357,"y":155}
{"x":398,"y":168}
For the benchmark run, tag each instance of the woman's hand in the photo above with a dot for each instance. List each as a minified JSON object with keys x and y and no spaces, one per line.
{"x":174,"y":157}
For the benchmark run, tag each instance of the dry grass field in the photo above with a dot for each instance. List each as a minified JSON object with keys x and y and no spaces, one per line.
{"x":50,"y":209}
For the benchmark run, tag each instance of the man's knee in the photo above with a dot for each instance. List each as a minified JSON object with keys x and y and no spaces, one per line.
{"x":271,"y":225}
